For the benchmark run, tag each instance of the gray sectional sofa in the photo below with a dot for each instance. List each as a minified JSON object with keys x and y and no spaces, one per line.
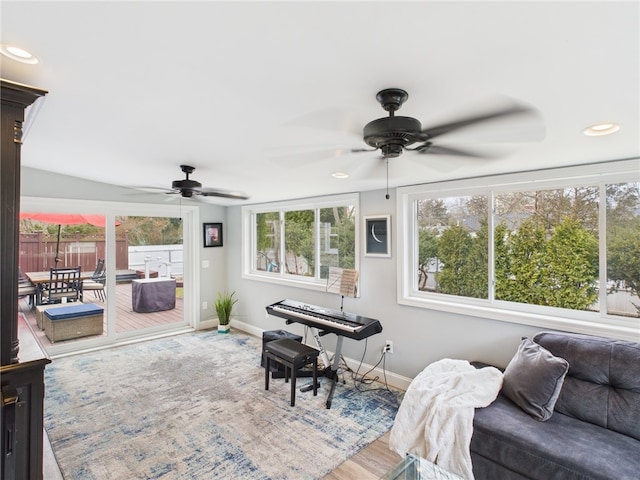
{"x":547,"y":425}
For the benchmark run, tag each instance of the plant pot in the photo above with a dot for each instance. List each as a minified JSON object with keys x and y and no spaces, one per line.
{"x":223,"y":328}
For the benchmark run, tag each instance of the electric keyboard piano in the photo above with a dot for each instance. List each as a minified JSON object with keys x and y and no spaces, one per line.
{"x":329,"y":321}
{"x":326,"y":319}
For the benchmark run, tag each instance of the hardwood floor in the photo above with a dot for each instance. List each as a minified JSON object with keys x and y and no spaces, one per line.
{"x":370,"y":463}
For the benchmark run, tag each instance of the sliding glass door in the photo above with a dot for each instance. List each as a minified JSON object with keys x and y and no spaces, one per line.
{"x":137,"y":262}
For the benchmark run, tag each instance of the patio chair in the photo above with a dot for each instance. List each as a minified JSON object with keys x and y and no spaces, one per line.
{"x":63,"y":283}
{"x":26,"y":288}
{"x":99,"y":269}
{"x":96,"y":285}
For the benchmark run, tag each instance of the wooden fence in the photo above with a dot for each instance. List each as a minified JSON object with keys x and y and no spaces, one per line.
{"x":38,"y":252}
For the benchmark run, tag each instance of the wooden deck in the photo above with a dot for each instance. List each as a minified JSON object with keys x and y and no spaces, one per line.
{"x":126,"y":319}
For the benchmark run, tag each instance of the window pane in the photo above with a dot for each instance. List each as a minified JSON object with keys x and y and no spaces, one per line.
{"x":155,"y":248}
{"x":302,"y":239}
{"x":546,"y":248}
{"x":337,"y":238}
{"x":453,"y":246}
{"x":268,"y":242}
{"x":623,"y":249}
{"x":299,"y":242}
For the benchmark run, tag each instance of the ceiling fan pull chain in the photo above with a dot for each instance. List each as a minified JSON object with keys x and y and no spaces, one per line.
{"x":387,"y":195}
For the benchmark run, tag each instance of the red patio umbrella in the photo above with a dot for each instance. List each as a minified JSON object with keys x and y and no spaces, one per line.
{"x":65,"y":219}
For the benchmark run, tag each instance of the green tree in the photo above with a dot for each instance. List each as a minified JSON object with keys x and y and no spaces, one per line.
{"x":340,"y":222}
{"x":572,"y":272}
{"x":502,"y":259}
{"x":623,"y":257}
{"x":623,"y":238}
{"x":432,"y":213}
{"x":427,"y":253}
{"x":454,"y":248}
{"x":268,"y":239}
{"x":477,"y":277}
{"x":560,"y":271}
{"x":299,"y":240}
{"x":523,"y":264}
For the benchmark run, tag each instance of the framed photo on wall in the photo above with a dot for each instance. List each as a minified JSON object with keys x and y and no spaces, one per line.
{"x":377,"y":236}
{"x":212,"y":234}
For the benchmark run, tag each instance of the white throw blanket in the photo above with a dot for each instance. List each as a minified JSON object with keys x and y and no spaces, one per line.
{"x":435,"y":419}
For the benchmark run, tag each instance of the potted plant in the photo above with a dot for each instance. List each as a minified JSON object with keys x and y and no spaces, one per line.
{"x":224,"y":304}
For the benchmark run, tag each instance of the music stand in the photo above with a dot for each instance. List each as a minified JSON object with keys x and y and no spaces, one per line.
{"x":343,"y":282}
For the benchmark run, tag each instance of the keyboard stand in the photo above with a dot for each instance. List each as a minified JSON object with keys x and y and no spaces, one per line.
{"x":331,"y":373}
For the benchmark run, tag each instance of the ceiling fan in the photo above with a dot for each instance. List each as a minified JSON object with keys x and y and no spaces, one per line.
{"x":189,"y":188}
{"x":393,"y":135}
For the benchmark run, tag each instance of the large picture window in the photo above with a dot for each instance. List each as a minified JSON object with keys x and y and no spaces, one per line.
{"x":299,"y":241}
{"x":545,"y":251}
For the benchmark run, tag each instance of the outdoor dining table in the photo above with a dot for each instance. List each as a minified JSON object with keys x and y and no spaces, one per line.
{"x":40,"y":279}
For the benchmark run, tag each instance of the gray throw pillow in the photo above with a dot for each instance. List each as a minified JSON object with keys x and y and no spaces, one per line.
{"x":533,"y":379}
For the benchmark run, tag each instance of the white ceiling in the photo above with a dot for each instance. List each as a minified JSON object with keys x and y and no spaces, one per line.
{"x":258,"y":96}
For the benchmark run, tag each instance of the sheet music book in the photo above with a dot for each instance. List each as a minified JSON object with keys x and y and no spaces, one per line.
{"x":342,"y":281}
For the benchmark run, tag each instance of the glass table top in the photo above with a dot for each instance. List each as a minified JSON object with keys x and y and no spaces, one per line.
{"x":416,"y":468}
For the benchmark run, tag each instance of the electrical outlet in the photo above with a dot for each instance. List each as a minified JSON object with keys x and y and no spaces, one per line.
{"x":205,"y":305}
{"x":388,"y":347}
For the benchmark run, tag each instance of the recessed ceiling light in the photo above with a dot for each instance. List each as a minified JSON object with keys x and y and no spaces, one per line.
{"x":17,"y":54}
{"x":601,"y":129}
{"x":340,"y":175}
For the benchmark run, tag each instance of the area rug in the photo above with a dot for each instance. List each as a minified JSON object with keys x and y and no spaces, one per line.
{"x":193,"y":406}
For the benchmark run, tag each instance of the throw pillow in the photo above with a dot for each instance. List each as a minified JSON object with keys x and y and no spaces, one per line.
{"x":533,"y":379}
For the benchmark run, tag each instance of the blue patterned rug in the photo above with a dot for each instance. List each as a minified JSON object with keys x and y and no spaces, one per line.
{"x":193,"y":406}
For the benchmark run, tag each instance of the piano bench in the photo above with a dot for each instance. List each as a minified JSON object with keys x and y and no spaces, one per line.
{"x":277,"y":369}
{"x":293,"y":355}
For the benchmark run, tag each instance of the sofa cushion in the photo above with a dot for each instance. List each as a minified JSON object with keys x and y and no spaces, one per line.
{"x":603,"y":383}
{"x":560,"y":448}
{"x":533,"y":379}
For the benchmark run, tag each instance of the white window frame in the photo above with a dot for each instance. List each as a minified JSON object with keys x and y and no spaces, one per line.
{"x":249,"y":213}
{"x":596,"y":323}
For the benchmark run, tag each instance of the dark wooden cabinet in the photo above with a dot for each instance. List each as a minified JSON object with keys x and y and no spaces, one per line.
{"x":22,"y":360}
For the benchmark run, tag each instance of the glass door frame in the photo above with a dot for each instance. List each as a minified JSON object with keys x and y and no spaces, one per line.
{"x":191,"y":255}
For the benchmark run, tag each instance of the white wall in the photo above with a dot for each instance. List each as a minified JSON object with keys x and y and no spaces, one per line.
{"x":213,"y":261}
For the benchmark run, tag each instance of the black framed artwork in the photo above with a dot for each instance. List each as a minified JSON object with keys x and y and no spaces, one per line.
{"x":212,"y":234}
{"x":377,"y":236}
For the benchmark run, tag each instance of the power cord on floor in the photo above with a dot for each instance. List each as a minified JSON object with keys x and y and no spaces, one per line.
{"x":358,"y":379}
